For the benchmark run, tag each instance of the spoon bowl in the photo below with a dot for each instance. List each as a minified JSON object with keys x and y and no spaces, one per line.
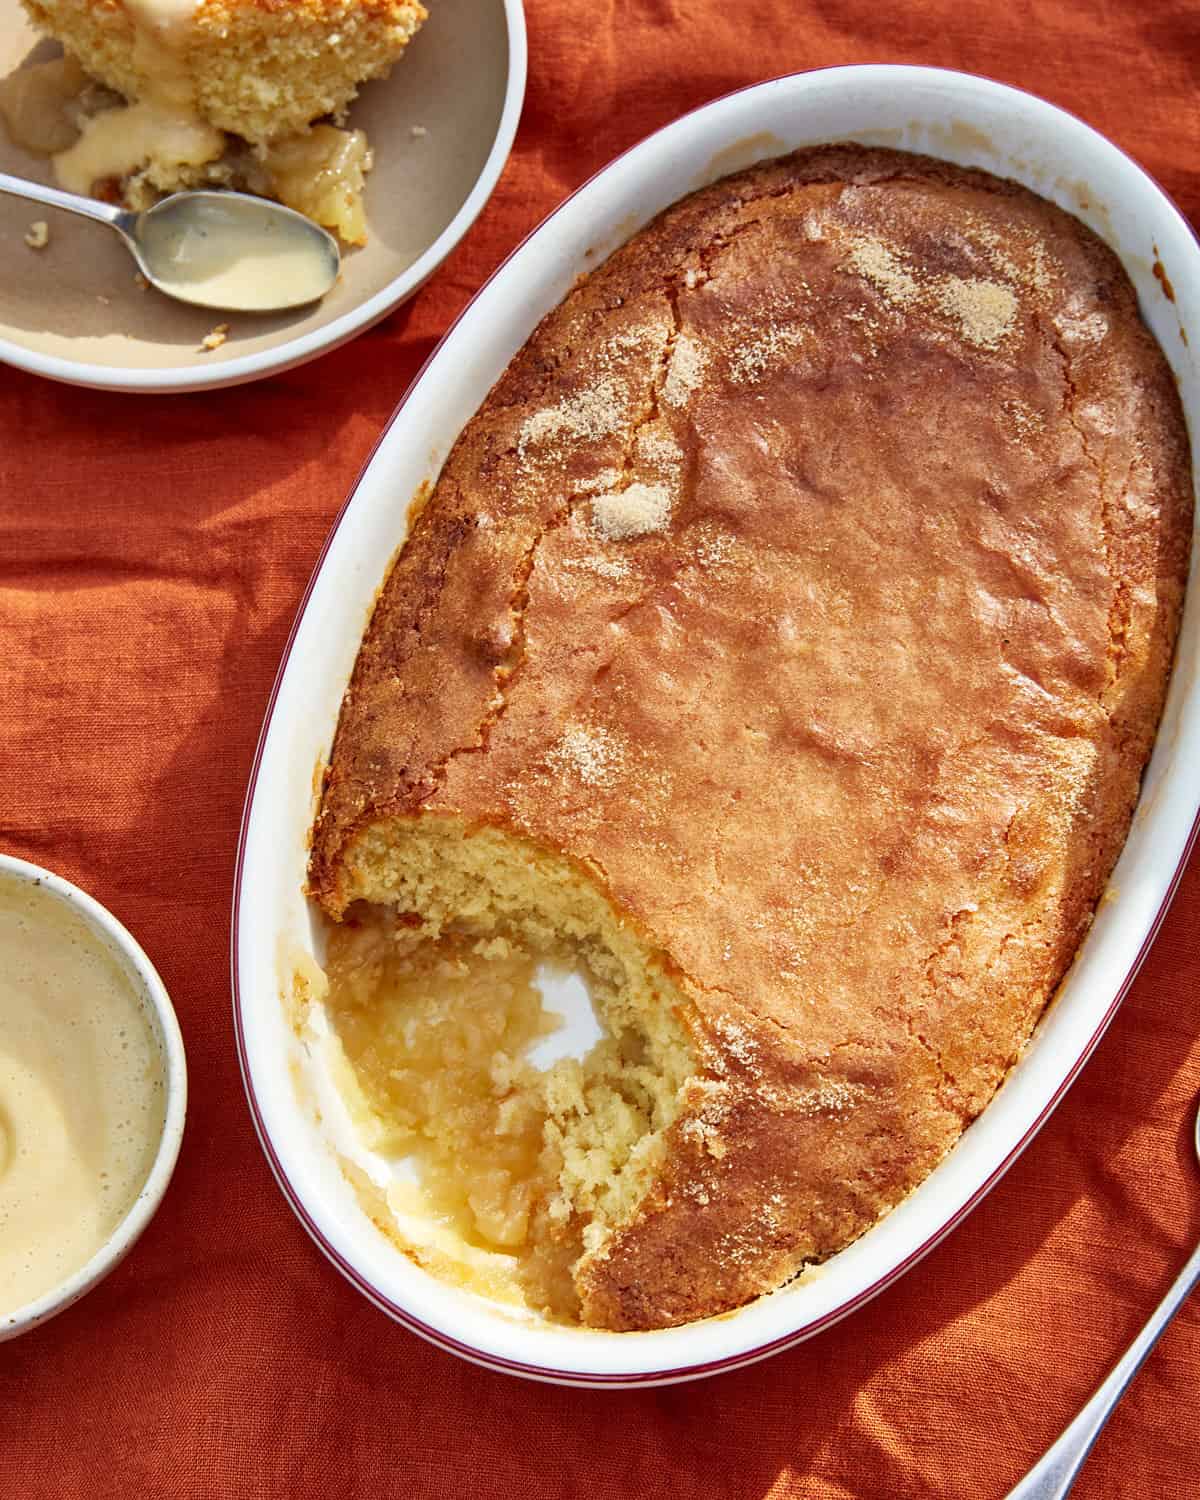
{"x":212,"y":248}
{"x":232,"y":251}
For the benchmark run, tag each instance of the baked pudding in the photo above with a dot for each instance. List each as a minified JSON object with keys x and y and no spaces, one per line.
{"x":780,"y":648}
{"x":211,"y":92}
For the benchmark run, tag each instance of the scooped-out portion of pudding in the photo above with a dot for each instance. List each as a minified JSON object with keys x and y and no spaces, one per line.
{"x":536,"y":1165}
{"x":187,"y":93}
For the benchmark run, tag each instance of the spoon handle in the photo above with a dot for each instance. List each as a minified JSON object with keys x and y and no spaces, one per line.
{"x":1053,"y":1476}
{"x":90,"y":208}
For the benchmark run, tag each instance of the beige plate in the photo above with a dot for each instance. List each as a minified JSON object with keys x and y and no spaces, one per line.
{"x":73,"y":311}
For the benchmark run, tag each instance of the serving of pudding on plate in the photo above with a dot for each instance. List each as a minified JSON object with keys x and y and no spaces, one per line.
{"x":156,"y":95}
{"x":781,"y":648}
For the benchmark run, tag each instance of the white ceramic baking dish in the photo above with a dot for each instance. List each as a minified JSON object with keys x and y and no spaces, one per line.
{"x":966,"y":120}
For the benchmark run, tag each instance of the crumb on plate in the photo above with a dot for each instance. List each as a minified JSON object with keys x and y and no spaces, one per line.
{"x":37,"y":236}
{"x":215,"y":338}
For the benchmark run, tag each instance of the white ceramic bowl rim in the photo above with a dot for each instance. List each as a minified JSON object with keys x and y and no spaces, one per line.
{"x":150,"y":1195}
{"x":288,"y":355}
{"x":659,"y":1376}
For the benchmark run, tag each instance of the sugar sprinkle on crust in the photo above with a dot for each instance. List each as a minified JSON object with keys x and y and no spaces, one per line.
{"x":635,"y":511}
{"x":592,"y":754}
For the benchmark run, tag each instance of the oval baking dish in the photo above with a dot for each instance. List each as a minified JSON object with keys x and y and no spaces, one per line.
{"x":968,"y":121}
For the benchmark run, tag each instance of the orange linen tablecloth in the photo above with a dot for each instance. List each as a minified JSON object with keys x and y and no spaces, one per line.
{"x":153,"y":552}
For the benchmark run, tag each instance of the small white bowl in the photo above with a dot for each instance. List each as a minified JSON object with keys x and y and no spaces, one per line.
{"x":442,"y":127}
{"x":966,"y":120}
{"x":150,"y":991}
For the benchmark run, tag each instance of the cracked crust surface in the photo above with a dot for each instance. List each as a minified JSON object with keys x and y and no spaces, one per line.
{"x":811,"y":579}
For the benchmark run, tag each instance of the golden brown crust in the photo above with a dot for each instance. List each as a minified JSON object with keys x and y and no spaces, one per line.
{"x":811,"y":577}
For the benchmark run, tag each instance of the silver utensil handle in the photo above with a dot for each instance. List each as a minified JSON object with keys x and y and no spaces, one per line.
{"x":1054,"y":1475}
{"x":37,"y":192}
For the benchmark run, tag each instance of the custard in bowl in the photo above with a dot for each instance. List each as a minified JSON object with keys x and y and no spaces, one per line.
{"x":92,"y":1094}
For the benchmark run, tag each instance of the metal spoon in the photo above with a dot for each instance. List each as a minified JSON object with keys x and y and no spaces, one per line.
{"x":1056,"y":1473}
{"x":214,"y":249}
